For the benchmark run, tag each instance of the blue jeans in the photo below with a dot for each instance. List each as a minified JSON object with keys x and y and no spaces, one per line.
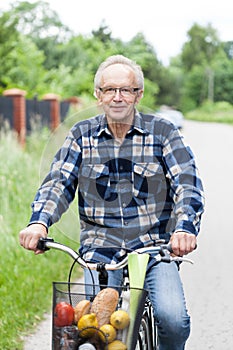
{"x":167,"y":297}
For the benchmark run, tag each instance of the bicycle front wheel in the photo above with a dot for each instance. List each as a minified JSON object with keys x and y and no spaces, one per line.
{"x":145,"y":339}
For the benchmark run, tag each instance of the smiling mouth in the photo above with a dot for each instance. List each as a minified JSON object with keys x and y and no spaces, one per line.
{"x":117,"y":107}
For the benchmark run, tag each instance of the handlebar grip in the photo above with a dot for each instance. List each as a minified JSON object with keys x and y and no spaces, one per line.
{"x":169,"y":247}
{"x":41,"y":245}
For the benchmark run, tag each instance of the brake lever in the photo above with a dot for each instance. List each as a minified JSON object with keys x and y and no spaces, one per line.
{"x":163,"y":256}
{"x":182,"y":259}
{"x":167,"y":258}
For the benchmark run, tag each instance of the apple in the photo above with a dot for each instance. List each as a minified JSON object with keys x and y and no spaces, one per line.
{"x":63,"y":314}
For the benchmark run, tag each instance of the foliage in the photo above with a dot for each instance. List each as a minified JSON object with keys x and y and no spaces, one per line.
{"x":148,"y":100}
{"x":25,"y":279}
{"x":223,"y":77}
{"x":25,"y":70}
{"x":219,"y":112}
{"x":40,"y":55}
{"x":201,"y":48}
{"x":195,"y":87}
{"x":228,"y":48}
{"x":211,"y":82}
{"x":203,"y":59}
{"x":170,"y":86}
{"x":103,"y":33}
{"x":39,"y":21}
{"x":8,"y":43}
{"x":67,"y":63}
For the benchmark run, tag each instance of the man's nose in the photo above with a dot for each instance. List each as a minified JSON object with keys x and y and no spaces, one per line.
{"x":117,"y":95}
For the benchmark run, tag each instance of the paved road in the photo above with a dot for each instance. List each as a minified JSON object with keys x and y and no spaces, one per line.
{"x":209,"y":282}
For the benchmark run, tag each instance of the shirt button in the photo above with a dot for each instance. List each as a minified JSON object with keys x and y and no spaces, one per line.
{"x":123,"y":204}
{"x":126,"y":223}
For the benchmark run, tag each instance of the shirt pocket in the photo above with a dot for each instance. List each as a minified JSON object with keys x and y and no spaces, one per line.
{"x":149,"y":180}
{"x":94,"y":182}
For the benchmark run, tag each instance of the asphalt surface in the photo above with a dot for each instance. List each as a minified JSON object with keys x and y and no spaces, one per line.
{"x":208,"y":283}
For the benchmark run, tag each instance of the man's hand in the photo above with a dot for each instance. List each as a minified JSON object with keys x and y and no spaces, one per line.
{"x":183,"y":243}
{"x":29,"y":237}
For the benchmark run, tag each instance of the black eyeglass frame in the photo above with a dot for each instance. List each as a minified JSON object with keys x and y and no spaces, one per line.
{"x":113,"y":90}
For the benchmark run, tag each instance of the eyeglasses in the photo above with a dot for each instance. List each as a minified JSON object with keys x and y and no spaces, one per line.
{"x":124,"y":91}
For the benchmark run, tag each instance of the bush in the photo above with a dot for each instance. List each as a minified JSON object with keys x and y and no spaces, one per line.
{"x":219,"y":112}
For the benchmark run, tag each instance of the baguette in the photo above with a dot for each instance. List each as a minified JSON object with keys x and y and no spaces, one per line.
{"x":104,"y":305}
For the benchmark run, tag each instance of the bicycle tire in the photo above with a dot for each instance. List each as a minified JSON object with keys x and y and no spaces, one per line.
{"x":145,"y":339}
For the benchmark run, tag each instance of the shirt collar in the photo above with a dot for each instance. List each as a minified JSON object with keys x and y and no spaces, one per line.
{"x":138,"y":125}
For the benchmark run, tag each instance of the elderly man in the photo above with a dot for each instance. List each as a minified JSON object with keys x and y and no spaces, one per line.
{"x":137,"y":182}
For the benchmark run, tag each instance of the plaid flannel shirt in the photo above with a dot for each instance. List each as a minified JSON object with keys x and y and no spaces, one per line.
{"x":129,"y":193}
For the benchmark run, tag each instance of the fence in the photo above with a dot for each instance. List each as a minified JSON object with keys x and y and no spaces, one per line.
{"x":21,"y":113}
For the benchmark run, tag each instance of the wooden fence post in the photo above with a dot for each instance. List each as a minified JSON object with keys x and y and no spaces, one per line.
{"x":54,"y":110}
{"x":19,"y":112}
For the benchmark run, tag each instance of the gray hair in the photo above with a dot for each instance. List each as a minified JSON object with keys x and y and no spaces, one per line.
{"x":119,"y":59}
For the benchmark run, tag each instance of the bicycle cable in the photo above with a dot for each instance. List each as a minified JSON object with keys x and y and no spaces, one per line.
{"x":69,"y":279}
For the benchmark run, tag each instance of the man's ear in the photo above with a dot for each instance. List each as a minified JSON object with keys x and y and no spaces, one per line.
{"x":98,"y":96}
{"x":96,"y":93}
{"x":139,"y":96}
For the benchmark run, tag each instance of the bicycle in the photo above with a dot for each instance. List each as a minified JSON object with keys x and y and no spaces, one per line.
{"x":142,"y":332}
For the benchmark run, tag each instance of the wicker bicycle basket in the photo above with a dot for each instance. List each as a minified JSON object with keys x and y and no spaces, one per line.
{"x":70,"y":337}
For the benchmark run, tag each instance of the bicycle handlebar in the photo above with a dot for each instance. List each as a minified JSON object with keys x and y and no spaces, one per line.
{"x":162,"y":254}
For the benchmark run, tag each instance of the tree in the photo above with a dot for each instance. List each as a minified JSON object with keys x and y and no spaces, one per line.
{"x":143,"y":53}
{"x":8,"y":43}
{"x":170,"y":84}
{"x":228,"y":48}
{"x":26,"y":71}
{"x":195,"y":88}
{"x":70,"y":61}
{"x":103,"y":33}
{"x":39,"y":21}
{"x":223,"y":69}
{"x":202,"y":46}
{"x":40,"y":54}
{"x":42,"y":25}
{"x":201,"y":57}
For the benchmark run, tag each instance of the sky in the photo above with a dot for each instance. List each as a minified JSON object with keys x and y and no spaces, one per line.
{"x":164,"y":23}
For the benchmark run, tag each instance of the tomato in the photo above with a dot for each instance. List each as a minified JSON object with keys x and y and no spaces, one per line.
{"x":63,"y":314}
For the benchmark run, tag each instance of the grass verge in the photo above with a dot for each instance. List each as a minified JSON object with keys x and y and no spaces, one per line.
{"x":25,"y":279}
{"x":219,"y":112}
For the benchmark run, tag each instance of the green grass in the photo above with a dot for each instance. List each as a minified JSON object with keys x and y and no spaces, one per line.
{"x":219,"y":112}
{"x":25,"y":279}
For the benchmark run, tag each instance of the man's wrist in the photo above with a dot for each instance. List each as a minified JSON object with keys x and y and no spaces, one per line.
{"x":39,"y":224}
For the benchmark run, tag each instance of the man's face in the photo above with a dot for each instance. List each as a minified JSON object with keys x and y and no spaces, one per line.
{"x":119,"y":105}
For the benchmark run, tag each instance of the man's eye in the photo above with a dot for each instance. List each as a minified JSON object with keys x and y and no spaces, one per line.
{"x":126,"y":90}
{"x":109,"y":90}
